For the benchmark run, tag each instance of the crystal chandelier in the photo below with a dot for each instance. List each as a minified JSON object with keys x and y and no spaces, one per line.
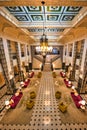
{"x":44,"y":48}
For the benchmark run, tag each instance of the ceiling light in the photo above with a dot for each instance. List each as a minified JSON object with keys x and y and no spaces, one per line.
{"x":44,"y":48}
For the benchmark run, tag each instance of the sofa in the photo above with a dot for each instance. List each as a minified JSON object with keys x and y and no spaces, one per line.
{"x":25,"y":83}
{"x":63,"y":75}
{"x":31,"y":74}
{"x":15,"y":98}
{"x":68,"y":83}
{"x":76,"y":98}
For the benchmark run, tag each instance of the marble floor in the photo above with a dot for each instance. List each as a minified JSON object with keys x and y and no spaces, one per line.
{"x":45,"y":114}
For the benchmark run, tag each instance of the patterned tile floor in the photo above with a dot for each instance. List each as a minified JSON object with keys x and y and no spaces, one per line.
{"x":45,"y":113}
{"x":2,"y":101}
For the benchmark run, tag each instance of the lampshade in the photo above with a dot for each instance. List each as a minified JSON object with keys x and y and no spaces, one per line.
{"x":69,"y":82}
{"x":83,"y":102}
{"x":73,"y":87}
{"x":21,"y":82}
{"x":6,"y":102}
{"x":19,"y":88}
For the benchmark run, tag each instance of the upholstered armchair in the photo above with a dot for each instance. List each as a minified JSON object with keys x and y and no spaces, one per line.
{"x":29,"y":104}
{"x":32,"y":94}
{"x":39,"y":74}
{"x":54,"y":74}
{"x":62,"y":107}
{"x":58,"y":95}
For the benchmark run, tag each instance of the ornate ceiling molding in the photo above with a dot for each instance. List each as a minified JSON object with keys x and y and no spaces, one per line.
{"x":48,"y":3}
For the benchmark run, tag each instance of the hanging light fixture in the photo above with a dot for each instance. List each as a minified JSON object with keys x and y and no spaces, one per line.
{"x":44,"y":48}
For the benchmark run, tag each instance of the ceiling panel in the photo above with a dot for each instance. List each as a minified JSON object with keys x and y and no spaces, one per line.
{"x":37,"y":17}
{"x":57,"y":30}
{"x":33,"y":9}
{"x":54,"y":9}
{"x":60,"y":16}
{"x":67,"y":17}
{"x":36,"y":13}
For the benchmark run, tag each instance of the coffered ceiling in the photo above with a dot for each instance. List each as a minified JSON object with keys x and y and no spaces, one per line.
{"x":29,"y":16}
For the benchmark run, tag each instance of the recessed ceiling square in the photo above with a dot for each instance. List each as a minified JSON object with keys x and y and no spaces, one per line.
{"x":33,"y":8}
{"x":54,"y":8}
{"x":67,"y":17}
{"x":15,"y":9}
{"x":22,"y":17}
{"x":71,"y":9}
{"x":37,"y":17}
{"x":52,"y":17}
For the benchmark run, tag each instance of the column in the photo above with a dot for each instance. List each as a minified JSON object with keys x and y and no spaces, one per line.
{"x":18,"y":61}
{"x":30,"y":57}
{"x":63,"y":64}
{"x":5,"y":62}
{"x":84,"y":83}
{"x":26,"y":55}
{"x":11,"y":74}
{"x":19,"y":52}
{"x":72,"y":75}
{"x":10,"y":55}
{"x":67,"y":64}
{"x":80,"y":77}
{"x":30,"y":54}
{"x":83,"y":67}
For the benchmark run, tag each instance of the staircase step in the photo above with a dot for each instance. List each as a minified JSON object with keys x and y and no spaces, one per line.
{"x":47,"y":67}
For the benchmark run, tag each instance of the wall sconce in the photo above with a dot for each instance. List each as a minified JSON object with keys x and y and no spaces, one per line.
{"x":83,"y":102}
{"x":73,"y":87}
{"x":70,"y":68}
{"x":40,"y":65}
{"x":53,"y":65}
{"x":81,"y":74}
{"x":11,"y":75}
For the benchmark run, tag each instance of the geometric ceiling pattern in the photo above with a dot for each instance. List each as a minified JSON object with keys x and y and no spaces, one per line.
{"x":47,"y":30}
{"x":34,"y":15}
{"x":52,"y":13}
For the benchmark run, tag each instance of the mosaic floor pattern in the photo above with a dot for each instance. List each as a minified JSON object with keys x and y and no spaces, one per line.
{"x":46,"y":113}
{"x":2,"y":105}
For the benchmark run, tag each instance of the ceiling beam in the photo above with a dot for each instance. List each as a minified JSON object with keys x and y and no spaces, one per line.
{"x":47,"y":3}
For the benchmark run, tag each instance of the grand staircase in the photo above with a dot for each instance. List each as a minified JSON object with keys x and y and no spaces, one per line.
{"x":47,"y":67}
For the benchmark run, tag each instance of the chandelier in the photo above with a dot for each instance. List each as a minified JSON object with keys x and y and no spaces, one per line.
{"x":44,"y":48}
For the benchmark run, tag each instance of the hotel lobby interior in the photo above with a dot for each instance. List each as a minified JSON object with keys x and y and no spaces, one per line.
{"x":43,"y":65}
